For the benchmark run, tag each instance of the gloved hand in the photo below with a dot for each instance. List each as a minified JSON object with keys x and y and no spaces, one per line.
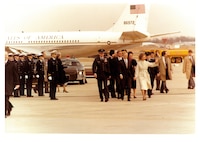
{"x":26,"y":76}
{"x":50,"y":77}
{"x":37,"y":76}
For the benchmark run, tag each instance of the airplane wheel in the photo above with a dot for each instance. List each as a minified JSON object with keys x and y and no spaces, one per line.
{"x":108,"y":42}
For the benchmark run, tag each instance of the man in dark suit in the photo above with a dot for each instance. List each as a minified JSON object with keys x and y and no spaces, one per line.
{"x":40,"y":74}
{"x":101,"y":71}
{"x":113,"y":63}
{"x":11,"y":83}
{"x":152,"y":71}
{"x":125,"y":75}
{"x":53,"y":75}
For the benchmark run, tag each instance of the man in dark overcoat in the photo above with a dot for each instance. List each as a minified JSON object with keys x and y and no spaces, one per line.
{"x":40,"y":74}
{"x":11,"y":82}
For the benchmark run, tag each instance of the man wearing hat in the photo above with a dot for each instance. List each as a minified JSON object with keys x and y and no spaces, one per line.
{"x":22,"y":68}
{"x":11,"y":82}
{"x":16,"y":61}
{"x":10,"y":57}
{"x":101,"y":70}
{"x":29,"y":74}
{"x":40,"y":74}
{"x":53,"y":75}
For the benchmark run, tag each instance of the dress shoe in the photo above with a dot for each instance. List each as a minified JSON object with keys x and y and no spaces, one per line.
{"x":157,"y":89}
{"x":129,"y":100}
{"x":167,"y":90}
{"x":135,"y":97}
{"x":64,"y":91}
{"x":54,"y":99}
{"x":191,"y":87}
{"x":29,"y":96}
{"x":16,"y":96}
{"x":8,"y":114}
{"x":161,"y":91}
{"x":106,"y":100}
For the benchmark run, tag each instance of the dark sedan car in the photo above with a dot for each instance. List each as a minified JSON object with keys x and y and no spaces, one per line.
{"x":74,"y":70}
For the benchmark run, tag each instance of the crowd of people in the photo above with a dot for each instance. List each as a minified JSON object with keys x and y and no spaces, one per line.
{"x":117,"y":72}
{"x":24,"y":70}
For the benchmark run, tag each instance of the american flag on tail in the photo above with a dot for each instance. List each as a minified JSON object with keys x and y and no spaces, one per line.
{"x":137,"y":9}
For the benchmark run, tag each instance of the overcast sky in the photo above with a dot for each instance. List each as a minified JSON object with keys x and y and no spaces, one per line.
{"x":52,"y":16}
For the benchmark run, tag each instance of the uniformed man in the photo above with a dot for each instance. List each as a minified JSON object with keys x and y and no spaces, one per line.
{"x":53,"y":75}
{"x":40,"y":74}
{"x":11,"y":82}
{"x":16,"y":61}
{"x":101,"y":71}
{"x":22,"y":73}
{"x":29,"y":74}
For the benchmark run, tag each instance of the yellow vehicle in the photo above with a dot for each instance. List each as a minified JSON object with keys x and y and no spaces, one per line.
{"x":175,"y":55}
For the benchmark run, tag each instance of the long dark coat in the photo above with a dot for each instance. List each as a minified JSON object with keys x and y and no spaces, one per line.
{"x":11,"y":77}
{"x":61,"y":73}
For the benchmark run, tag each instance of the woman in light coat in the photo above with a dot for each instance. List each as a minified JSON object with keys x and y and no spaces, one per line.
{"x":143,"y":75}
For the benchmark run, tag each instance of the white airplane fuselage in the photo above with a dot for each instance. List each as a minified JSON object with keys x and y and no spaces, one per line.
{"x":71,"y":43}
{"x":131,"y":26}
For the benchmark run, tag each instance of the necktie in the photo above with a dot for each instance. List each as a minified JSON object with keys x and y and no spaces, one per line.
{"x":126,"y":63}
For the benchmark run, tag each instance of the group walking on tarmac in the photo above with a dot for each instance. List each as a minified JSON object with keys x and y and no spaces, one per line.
{"x":117,"y":72}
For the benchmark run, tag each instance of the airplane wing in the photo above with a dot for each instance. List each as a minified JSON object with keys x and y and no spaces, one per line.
{"x":23,"y":50}
{"x":164,"y":34}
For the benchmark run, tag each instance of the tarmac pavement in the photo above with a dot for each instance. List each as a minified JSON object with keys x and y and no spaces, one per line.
{"x":81,"y":112}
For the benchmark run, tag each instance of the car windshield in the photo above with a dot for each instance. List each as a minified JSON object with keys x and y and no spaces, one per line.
{"x":71,"y":63}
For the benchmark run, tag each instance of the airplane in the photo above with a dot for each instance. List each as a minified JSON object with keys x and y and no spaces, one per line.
{"x":130,"y":28}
